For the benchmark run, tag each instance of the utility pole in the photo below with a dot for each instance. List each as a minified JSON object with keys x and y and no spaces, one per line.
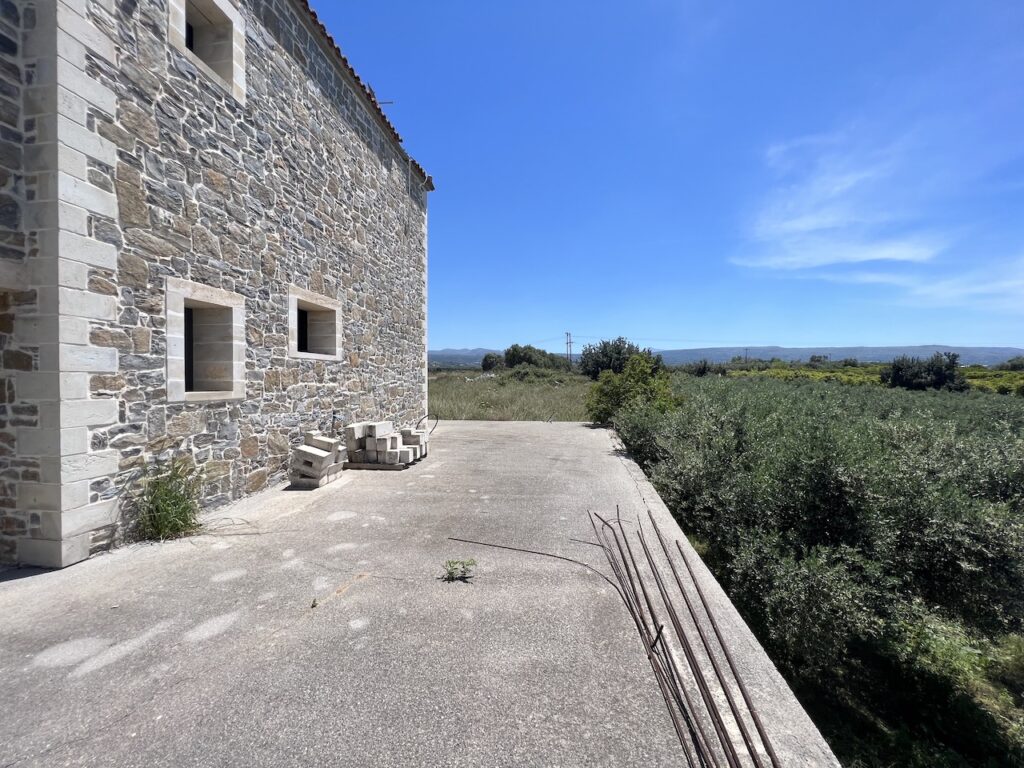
{"x":568,"y":347}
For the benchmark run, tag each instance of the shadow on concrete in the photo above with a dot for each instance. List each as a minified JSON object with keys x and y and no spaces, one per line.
{"x":16,"y":572}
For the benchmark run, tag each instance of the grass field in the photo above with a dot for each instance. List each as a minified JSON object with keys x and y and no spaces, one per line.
{"x":979,"y":377}
{"x":512,"y":395}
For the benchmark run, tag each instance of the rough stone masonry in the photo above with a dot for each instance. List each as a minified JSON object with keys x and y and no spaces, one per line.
{"x":211,"y":242}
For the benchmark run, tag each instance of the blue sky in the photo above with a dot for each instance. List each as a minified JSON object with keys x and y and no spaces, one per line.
{"x":691,"y":173}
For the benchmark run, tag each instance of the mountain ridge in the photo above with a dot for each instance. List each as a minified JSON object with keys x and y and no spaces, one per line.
{"x":470,"y":357}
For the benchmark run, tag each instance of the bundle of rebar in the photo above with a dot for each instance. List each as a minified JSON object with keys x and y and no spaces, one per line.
{"x":711,"y":735}
{"x":686,"y":660}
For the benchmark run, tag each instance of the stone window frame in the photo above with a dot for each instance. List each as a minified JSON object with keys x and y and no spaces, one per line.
{"x":178,"y":292}
{"x":300,"y":298}
{"x":178,"y":10}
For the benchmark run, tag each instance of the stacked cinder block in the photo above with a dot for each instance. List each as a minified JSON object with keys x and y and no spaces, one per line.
{"x":378,"y":443}
{"x":317,"y":462}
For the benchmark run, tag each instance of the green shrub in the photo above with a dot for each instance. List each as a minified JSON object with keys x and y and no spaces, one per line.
{"x":941,"y":371}
{"x":519,"y":354}
{"x":611,"y":356}
{"x":643,"y":379}
{"x":167,"y":505}
{"x":704,"y":368}
{"x":492,"y":360}
{"x":874,"y":540}
{"x":1013,"y":364}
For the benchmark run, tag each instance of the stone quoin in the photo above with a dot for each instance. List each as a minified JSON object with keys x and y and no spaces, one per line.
{"x":211,"y":243}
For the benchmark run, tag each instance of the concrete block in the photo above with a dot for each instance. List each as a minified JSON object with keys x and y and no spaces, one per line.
{"x":88,"y":413}
{"x":46,"y":553}
{"x":391,"y":457}
{"x":356,"y":431}
{"x":80,"y":466}
{"x":79,"y":357}
{"x":83,"y":194}
{"x":310,"y":458}
{"x":324,"y":443}
{"x":66,"y":525}
{"x":77,"y":27}
{"x":52,"y":442}
{"x":410,"y":437}
{"x":387,"y":443}
{"x":379,"y":429}
{"x":331,"y":474}
{"x":370,"y":456}
{"x":405,"y":455}
{"x":78,"y":81}
{"x":87,"y":250}
{"x":53,"y":495}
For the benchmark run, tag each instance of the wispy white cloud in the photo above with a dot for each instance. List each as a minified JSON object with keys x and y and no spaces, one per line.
{"x":844,"y":208}
{"x":911,"y":198}
{"x":820,"y":250}
{"x":997,"y":288}
{"x":831,"y":203}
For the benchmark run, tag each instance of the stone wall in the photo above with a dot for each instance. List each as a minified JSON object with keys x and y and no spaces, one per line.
{"x":299,"y":186}
{"x":302,"y":184}
{"x":18,"y":352}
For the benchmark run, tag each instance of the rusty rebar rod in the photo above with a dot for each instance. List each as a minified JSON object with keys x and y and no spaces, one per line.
{"x":722,"y":681}
{"x":702,"y":741}
{"x":776,"y":763}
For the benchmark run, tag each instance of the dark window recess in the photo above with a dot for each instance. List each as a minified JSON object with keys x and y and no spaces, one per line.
{"x":190,"y":379}
{"x":190,"y":37}
{"x":303,"y":328}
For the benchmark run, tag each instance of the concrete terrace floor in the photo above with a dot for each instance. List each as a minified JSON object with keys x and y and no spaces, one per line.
{"x":207,"y":651}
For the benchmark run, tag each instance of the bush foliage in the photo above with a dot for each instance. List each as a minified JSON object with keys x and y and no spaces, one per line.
{"x":643,"y":379}
{"x":525,"y":354}
{"x":940,"y":371}
{"x":611,"y":356}
{"x":873,"y":539}
{"x":492,"y":360}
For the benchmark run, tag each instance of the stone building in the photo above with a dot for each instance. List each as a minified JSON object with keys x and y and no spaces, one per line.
{"x":211,"y":241}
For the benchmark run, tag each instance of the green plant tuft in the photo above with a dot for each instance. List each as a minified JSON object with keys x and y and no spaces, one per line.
{"x":168,"y":503}
{"x":458,"y":570}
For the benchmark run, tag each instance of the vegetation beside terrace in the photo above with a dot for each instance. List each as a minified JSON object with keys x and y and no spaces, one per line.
{"x":872,"y":537}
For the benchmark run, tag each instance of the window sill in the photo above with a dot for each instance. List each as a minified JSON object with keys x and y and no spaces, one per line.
{"x":209,"y":397}
{"x":314,"y":356}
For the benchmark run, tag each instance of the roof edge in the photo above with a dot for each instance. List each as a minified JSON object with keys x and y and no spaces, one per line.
{"x":365,"y":90}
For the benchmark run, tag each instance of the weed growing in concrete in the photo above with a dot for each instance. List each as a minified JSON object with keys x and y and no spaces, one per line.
{"x":458,"y":570}
{"x":168,"y":504}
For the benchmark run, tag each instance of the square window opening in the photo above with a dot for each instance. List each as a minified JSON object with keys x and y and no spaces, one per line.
{"x":316,"y":329}
{"x":209,"y":353}
{"x":209,"y":34}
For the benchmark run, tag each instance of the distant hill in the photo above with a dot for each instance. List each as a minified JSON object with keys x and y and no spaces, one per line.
{"x":470,"y":358}
{"x":968,"y":355}
{"x":457,"y":358}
